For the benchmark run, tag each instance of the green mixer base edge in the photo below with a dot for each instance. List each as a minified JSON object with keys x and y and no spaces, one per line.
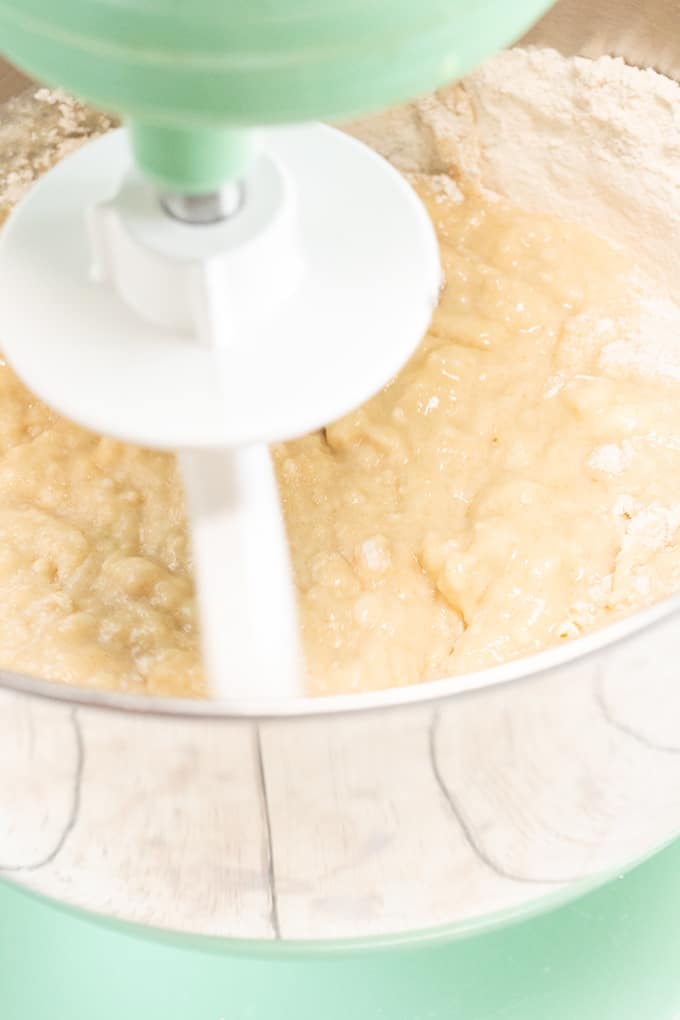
{"x":613,"y":954}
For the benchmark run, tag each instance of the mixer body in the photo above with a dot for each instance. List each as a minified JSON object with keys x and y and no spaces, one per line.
{"x":443,"y":807}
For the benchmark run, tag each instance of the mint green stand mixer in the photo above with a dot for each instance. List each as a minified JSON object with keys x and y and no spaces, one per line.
{"x":202,"y":89}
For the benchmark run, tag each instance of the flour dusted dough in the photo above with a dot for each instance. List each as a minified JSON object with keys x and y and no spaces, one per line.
{"x":95,"y":586}
{"x":506,"y":492}
{"x":514,"y":487}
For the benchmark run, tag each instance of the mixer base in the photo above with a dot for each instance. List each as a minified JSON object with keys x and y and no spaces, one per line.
{"x":610,"y":955}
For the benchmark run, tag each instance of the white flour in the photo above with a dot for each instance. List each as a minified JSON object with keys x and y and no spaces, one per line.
{"x":593,"y":141}
{"x":612,"y":458}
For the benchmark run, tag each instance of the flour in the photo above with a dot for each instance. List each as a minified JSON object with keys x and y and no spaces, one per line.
{"x":652,"y":349}
{"x":445,"y":188}
{"x":612,"y":458}
{"x":593,"y":141}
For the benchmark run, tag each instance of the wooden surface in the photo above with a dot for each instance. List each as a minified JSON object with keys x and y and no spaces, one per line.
{"x":11,"y":81}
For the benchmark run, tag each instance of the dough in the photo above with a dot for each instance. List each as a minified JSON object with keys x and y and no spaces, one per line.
{"x":95,"y":585}
{"x":512,"y":488}
{"x":509,"y":490}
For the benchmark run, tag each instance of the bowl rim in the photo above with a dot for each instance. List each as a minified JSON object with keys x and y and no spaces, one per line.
{"x":532,"y":667}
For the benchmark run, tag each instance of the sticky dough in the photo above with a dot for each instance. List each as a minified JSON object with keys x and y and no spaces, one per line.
{"x":509,"y":490}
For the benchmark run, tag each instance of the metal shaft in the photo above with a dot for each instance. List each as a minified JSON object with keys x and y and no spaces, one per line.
{"x":204,"y":209}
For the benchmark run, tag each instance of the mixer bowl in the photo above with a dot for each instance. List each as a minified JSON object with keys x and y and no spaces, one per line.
{"x":439,"y":807}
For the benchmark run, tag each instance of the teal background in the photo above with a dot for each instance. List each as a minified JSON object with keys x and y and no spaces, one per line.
{"x":613,"y":954}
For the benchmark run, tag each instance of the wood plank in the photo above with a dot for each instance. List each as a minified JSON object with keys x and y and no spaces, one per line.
{"x":39,"y":763}
{"x":549,"y":789}
{"x":170,"y":829}
{"x":366,"y":841}
{"x":639,"y":689}
{"x":12,"y":82}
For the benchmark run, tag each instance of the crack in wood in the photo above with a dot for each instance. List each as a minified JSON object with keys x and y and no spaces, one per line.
{"x":466,"y":828}
{"x":72,"y":819}
{"x":625,"y":728}
{"x":268,"y":840}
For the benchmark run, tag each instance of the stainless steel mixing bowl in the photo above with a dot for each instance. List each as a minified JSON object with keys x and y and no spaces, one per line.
{"x":441,"y":805}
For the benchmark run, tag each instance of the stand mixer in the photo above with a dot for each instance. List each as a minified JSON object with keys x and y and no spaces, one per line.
{"x":214,"y":886}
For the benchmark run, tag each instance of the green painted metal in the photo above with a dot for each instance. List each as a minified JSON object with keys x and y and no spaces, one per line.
{"x":226,"y":64}
{"x":612,"y":954}
{"x":193,"y":160}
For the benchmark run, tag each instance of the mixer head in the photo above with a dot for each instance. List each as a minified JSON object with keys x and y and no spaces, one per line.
{"x":189,"y":78}
{"x":238,"y":286}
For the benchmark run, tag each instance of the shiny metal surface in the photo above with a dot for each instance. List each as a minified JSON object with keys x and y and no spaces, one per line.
{"x":212,"y":207}
{"x":439,"y":805}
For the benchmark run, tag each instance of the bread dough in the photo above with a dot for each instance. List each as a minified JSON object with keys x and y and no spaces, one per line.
{"x":95,"y":586}
{"x":513,"y":488}
{"x":509,"y":490}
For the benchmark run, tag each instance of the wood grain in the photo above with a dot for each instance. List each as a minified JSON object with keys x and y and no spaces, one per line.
{"x":12,"y":82}
{"x":350,"y":847}
{"x":550,"y":789}
{"x":169,"y":829}
{"x":38,"y":781}
{"x":347,"y":826}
